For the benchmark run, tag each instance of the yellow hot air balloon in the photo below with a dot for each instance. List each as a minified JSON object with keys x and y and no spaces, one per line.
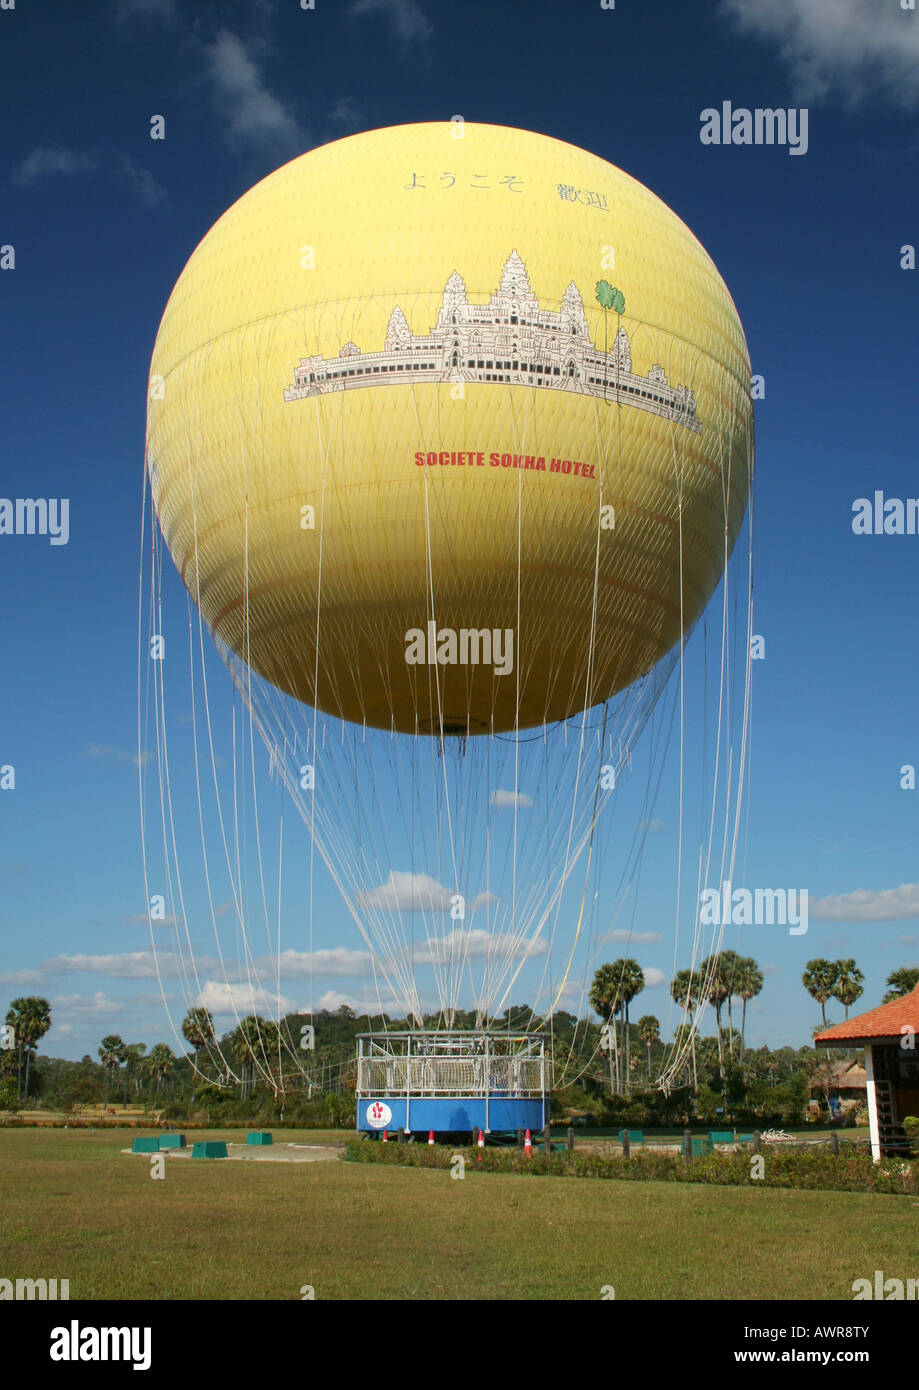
{"x":450,"y":429}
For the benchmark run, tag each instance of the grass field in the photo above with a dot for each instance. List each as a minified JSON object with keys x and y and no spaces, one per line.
{"x":76,"y":1207}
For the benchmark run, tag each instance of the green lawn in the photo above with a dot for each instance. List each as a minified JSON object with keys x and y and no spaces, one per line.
{"x":76,"y":1207}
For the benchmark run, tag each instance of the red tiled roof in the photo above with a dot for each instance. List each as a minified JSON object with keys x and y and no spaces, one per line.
{"x":883,"y":1022}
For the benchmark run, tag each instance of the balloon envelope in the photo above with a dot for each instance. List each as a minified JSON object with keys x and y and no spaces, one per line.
{"x":450,"y":429}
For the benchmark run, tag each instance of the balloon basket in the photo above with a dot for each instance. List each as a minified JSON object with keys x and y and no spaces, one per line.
{"x":451,"y":1082}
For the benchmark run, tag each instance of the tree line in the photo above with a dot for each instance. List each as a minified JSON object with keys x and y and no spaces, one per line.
{"x":315,"y":1054}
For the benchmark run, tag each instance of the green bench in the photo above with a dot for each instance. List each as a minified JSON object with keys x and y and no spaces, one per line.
{"x":721,"y":1136}
{"x":259,"y":1136}
{"x":700,"y":1145}
{"x":172,"y":1141}
{"x":146,"y":1146}
{"x":209,"y":1148}
{"x":636,"y":1136}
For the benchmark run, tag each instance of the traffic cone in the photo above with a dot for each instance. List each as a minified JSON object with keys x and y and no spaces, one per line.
{"x":385,"y":1137}
{"x":480,"y":1147}
{"x":528,"y":1145}
{"x":430,"y":1136}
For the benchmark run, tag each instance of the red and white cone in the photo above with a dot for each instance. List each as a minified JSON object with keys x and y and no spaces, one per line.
{"x":528,"y":1145}
{"x":479,"y":1147}
{"x":430,"y":1136}
{"x":385,"y":1137}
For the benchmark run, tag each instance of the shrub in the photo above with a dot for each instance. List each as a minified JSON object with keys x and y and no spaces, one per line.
{"x":851,"y":1171}
{"x":342,"y":1111}
{"x":213,"y":1097}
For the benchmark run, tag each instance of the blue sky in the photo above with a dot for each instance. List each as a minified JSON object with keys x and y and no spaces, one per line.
{"x":102,"y":220}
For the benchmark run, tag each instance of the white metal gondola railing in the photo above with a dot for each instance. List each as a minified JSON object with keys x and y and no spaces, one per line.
{"x":450,"y":1064}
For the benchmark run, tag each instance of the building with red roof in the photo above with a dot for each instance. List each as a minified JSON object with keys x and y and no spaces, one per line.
{"x":888,"y":1035}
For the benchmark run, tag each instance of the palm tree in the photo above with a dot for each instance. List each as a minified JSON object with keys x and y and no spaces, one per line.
{"x":249,"y":1038}
{"x":249,"y":1042}
{"x":134,"y":1064}
{"x":649,"y":1030}
{"x":632,"y":982}
{"x":748,"y":983}
{"x":161,"y":1062}
{"x":849,"y":983}
{"x":30,"y":1018}
{"x":729,"y":967}
{"x":614,"y":988}
{"x":198,"y":1030}
{"x":272,"y":1042}
{"x":819,"y":979}
{"x":606,"y":1000}
{"x":685,"y":991}
{"x":716,"y":992}
{"x":901,"y":982}
{"x":112,"y":1053}
{"x":683,"y":1034}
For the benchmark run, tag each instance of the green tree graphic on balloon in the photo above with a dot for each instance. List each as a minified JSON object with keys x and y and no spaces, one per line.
{"x":608,"y":297}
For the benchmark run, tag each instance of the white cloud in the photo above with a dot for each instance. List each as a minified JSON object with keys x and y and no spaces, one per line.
{"x":141,"y":965}
{"x":52,"y":161}
{"x":475,"y":944}
{"x":46,"y":161}
{"x":347,"y":113}
{"x":482,"y":900}
{"x":868,"y":905}
{"x":573,"y":998}
{"x":223,"y":998}
{"x":336,"y":961}
{"x":854,"y":48}
{"x":333,"y":1000}
{"x":249,"y":110}
{"x":652,"y":826}
{"x":505,"y":798}
{"x":404,"y":892}
{"x":106,"y":752}
{"x":654,"y":978}
{"x":20,"y":977}
{"x":623,"y":934}
{"x":78,"y":1005}
{"x":149,"y":192}
{"x":907,"y":939}
{"x":367,"y":1003}
{"x":142,"y":919}
{"x":406,"y":18}
{"x":126,"y":965}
